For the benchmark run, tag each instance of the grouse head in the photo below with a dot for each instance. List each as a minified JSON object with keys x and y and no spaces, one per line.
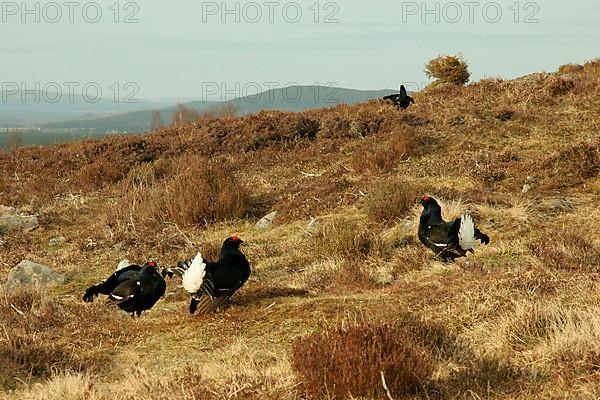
{"x":427,"y":201}
{"x":403,"y":93}
{"x":151,"y":264}
{"x":233,"y":241}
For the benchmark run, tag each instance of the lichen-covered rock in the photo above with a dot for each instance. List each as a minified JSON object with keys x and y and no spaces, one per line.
{"x":57,"y":241}
{"x":10,"y":220}
{"x":30,"y":273}
{"x":266,"y":221}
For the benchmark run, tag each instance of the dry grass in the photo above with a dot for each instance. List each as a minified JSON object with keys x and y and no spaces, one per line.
{"x":194,"y":191}
{"x":391,"y":201}
{"x":346,"y":238}
{"x":345,"y":362}
{"x":517,"y":319}
{"x":382,"y":156}
{"x":37,"y":336}
{"x":568,"y":250}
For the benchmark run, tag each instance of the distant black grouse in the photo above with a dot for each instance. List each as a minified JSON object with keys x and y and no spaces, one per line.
{"x":448,"y":240}
{"x":212,"y":283}
{"x":133,"y":288}
{"x":401,"y":100}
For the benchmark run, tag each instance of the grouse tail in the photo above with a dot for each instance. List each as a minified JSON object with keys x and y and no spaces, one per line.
{"x":193,"y":277}
{"x":466,"y":233}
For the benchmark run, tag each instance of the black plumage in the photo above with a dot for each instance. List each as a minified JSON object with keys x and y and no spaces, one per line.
{"x":107,"y":286}
{"x":401,"y":99}
{"x":134,"y":289}
{"x":212,"y":283}
{"x":448,"y":240}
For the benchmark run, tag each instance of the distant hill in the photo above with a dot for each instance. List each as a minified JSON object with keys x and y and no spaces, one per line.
{"x":27,"y":110}
{"x":293,"y":98}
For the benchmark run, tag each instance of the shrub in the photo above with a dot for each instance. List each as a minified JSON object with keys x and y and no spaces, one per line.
{"x":448,"y":69}
{"x":391,"y":200}
{"x":345,"y":238}
{"x":574,"y":164}
{"x":351,"y":122}
{"x":196,"y":191}
{"x":342,"y":362}
{"x":385,"y":156}
{"x":99,"y":173}
{"x":568,"y":251}
{"x":570,"y":69}
{"x":558,"y":86}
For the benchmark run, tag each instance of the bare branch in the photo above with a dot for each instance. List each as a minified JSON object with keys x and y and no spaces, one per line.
{"x":387,"y":391}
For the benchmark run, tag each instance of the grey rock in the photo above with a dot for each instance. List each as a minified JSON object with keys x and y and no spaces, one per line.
{"x":557,"y":205}
{"x":267,"y":220}
{"x":119,"y":247}
{"x":30,"y":273}
{"x":10,"y":220}
{"x":57,"y":241}
{"x":312,"y":225}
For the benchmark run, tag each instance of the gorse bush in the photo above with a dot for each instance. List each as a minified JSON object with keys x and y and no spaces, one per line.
{"x":448,"y":69}
{"x":344,"y":362}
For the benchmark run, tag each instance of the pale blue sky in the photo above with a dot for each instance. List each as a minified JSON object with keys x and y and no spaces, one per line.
{"x":171,"y":51}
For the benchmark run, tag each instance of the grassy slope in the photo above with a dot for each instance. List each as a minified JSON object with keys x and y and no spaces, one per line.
{"x":527,"y":304}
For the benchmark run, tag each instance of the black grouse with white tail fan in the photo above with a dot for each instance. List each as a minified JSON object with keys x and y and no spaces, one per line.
{"x":401,"y":99}
{"x":211,"y":284}
{"x":448,"y":240}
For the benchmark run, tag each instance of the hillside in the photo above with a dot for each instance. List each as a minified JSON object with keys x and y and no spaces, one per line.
{"x":35,"y":109}
{"x":519,"y":319}
{"x":293,"y":98}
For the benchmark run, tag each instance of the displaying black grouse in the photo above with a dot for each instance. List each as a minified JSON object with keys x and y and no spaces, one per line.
{"x":212,"y":283}
{"x":401,"y":100}
{"x":448,"y":240}
{"x":133,"y":288}
{"x":125,"y":271}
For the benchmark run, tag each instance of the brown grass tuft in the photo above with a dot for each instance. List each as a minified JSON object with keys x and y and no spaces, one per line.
{"x":344,"y":362}
{"x":558,"y":85}
{"x":570,"y":68}
{"x":194,"y":192}
{"x":385,"y":155}
{"x":391,"y":201}
{"x":574,"y":164}
{"x":43,"y":334}
{"x":346,"y":238}
{"x":567,"y":250}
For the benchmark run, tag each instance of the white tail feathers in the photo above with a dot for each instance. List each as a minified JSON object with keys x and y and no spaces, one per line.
{"x":124,"y":263}
{"x":194,"y":275}
{"x":466,"y":233}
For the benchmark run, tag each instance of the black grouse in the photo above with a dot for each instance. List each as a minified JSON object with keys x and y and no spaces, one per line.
{"x":448,"y":240}
{"x":125,"y":271}
{"x":401,"y":100}
{"x":133,"y":288}
{"x":212,"y":283}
